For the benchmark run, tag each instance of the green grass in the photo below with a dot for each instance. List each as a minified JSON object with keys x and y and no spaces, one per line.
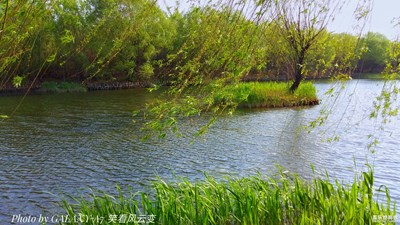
{"x":267,"y":94}
{"x":284,"y":199}
{"x":62,"y":87}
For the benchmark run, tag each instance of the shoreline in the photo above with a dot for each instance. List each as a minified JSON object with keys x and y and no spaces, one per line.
{"x":98,"y":86}
{"x":281,"y":100}
{"x":104,"y":86}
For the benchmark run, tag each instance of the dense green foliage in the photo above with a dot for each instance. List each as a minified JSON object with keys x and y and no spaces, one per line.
{"x":284,"y":199}
{"x":80,"y":40}
{"x":71,"y":40}
{"x":376,"y":52}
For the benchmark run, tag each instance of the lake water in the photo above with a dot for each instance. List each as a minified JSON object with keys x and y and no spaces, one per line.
{"x":66,"y":143}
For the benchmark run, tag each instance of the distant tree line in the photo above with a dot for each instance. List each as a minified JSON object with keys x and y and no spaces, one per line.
{"x":124,"y":40}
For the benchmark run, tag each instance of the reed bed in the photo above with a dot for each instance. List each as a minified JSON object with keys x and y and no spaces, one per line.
{"x":282,"y":199}
{"x":267,"y":95}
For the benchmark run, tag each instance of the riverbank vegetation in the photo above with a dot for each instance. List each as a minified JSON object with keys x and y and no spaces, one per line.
{"x":267,"y":95}
{"x":91,"y":41}
{"x":283,"y":199}
{"x":62,"y":87}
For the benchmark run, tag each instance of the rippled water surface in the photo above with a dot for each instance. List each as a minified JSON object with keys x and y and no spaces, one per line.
{"x":67,"y":143}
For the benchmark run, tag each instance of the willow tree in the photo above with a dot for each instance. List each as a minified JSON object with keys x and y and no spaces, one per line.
{"x":21,"y":23}
{"x":301,"y":23}
{"x":81,"y":40}
{"x":222,"y":43}
{"x":216,"y":45}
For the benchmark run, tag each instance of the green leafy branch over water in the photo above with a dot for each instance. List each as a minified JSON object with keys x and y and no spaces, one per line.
{"x":283,"y":199}
{"x":219,"y":98}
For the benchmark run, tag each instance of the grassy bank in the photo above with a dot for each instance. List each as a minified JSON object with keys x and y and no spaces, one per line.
{"x":284,"y":199}
{"x":61,"y":87}
{"x":268,"y":94}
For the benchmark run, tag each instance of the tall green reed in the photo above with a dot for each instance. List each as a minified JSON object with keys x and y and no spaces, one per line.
{"x":282,"y":199}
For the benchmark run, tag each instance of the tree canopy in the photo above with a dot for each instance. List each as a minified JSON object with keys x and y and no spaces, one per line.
{"x":376,"y":54}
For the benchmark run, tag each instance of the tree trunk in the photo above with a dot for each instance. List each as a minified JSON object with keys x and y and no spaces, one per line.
{"x":298,"y":76}
{"x":297,"y":79}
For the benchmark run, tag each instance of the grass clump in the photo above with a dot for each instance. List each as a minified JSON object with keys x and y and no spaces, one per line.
{"x":62,"y":87}
{"x":284,"y":199}
{"x":267,"y":94}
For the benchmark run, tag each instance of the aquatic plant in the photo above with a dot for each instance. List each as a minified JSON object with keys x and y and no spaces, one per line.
{"x":282,"y":199}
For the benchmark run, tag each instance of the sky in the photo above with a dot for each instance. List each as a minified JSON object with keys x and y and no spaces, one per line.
{"x":382,"y":15}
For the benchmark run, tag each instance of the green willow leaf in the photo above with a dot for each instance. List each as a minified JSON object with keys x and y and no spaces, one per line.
{"x":67,"y":38}
{"x":17,"y":81}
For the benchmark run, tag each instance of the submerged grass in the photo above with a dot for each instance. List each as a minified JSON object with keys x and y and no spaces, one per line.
{"x":284,"y":199}
{"x":62,"y":87}
{"x":267,"y":94}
